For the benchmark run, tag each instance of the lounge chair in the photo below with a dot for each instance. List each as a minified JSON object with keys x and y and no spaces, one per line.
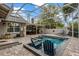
{"x":36,"y":43}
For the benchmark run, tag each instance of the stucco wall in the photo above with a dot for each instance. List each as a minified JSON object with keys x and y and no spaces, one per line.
{"x":53,"y":31}
{"x":3,"y":28}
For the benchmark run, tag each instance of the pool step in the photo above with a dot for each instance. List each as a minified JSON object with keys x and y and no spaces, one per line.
{"x":8,"y":44}
{"x":1,"y":41}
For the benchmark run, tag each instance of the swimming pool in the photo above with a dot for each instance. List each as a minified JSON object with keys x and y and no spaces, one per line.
{"x":46,"y":45}
{"x":57,"y":41}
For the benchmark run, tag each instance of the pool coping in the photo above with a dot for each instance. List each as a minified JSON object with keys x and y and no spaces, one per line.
{"x":62,"y":36}
{"x":56,"y":36}
{"x":33,"y":50}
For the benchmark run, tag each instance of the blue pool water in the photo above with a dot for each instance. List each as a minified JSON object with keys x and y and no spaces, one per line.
{"x":57,"y":41}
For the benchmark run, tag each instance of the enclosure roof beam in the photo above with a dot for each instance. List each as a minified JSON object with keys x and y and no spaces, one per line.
{"x":70,"y":6}
{"x":21,"y":8}
{"x":26,"y":11}
{"x":60,"y":7}
{"x":39,"y":7}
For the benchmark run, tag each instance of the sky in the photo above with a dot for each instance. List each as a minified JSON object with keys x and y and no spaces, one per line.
{"x":28,"y":7}
{"x":31,"y":7}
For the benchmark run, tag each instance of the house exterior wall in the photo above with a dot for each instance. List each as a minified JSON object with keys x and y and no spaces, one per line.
{"x":22,"y":31}
{"x":13,"y":34}
{"x":3,"y":28}
{"x":22,"y":23}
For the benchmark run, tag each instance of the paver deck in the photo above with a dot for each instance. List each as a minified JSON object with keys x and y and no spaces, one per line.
{"x":72,"y":47}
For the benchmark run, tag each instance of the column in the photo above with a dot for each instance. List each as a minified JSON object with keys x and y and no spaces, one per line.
{"x":24,"y":31}
{"x":72,"y":27}
{"x":36,"y":28}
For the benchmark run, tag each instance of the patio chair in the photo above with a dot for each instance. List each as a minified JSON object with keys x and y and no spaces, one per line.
{"x":36,"y":43}
{"x":48,"y":48}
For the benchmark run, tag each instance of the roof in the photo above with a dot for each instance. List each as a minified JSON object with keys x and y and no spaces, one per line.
{"x":16,"y":19}
{"x":3,"y":10}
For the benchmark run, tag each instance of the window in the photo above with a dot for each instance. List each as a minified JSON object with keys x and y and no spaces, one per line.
{"x":13,"y":27}
{"x":17,"y":29}
{"x":10,"y":29}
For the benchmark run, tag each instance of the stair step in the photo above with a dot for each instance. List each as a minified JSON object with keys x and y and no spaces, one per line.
{"x":8,"y":44}
{"x":1,"y":41}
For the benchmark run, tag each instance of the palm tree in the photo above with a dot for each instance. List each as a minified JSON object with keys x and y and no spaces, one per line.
{"x":47,"y":16}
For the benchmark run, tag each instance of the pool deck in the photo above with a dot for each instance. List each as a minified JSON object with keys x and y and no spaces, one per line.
{"x":71,"y":48}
